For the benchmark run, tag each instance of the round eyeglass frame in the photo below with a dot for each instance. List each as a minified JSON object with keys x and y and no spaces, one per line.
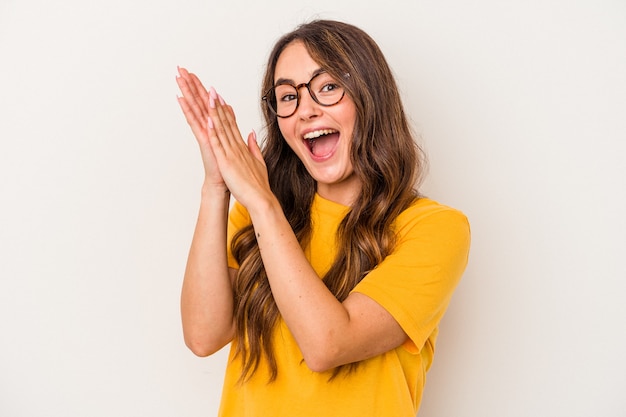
{"x":266,"y":96}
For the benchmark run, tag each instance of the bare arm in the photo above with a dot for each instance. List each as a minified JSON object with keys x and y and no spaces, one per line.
{"x":207,"y":297}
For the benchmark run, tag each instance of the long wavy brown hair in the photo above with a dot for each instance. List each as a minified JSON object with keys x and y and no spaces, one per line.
{"x":385,"y":158}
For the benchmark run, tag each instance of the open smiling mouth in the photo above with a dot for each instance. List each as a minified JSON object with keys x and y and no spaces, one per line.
{"x":322,"y":142}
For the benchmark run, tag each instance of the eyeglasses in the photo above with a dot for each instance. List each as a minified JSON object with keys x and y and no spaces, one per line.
{"x":284,"y":98}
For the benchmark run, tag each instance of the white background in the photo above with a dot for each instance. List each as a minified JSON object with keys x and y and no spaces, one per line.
{"x":521,"y":106}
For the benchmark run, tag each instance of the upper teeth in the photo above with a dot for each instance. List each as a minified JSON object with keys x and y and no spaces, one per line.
{"x":318,"y":133}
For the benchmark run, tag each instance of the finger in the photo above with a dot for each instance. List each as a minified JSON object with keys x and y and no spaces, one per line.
{"x":230,"y":111}
{"x":217,"y":114}
{"x":196,"y":89}
{"x":182,"y":71}
{"x":227,"y":132}
{"x":187,"y":111}
{"x":193,"y":101}
{"x":188,"y":77}
{"x":214,"y":139}
{"x":198,"y":86}
{"x":202,"y":93}
{"x":253,"y":145}
{"x":227,"y":120}
{"x":199,"y":91}
{"x":197,"y":127}
{"x":231,"y":122}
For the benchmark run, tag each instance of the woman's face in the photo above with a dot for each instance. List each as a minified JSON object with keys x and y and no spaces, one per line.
{"x":320,"y":136}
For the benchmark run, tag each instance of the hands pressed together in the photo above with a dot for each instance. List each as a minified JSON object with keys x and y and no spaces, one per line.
{"x":228,"y":161}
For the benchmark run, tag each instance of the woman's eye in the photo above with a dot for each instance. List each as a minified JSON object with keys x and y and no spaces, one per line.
{"x":328,"y":87}
{"x":288,"y":97}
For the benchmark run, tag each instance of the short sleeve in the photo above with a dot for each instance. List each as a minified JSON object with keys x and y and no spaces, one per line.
{"x":416,"y":282}
{"x":238,"y":218}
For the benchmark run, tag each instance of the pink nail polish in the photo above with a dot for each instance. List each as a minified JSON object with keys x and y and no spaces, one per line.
{"x":212,"y":97}
{"x":222,"y":102}
{"x":209,"y":122}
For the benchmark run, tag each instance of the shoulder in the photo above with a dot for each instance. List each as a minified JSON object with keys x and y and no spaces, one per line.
{"x":428,"y":214}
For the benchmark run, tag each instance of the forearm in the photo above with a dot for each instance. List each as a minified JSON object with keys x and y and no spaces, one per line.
{"x":207,"y":297}
{"x":317,"y":320}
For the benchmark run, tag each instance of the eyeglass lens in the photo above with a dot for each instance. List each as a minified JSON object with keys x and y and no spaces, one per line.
{"x":322,"y":87}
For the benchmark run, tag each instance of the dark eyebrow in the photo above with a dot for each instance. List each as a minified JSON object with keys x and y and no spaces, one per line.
{"x":289,"y":81}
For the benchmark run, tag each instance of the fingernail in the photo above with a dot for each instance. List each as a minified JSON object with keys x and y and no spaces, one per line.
{"x":212,"y":97}
{"x":222,"y":102}
{"x":210,"y":122}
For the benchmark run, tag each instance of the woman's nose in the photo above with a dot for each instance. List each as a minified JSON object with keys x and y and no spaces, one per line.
{"x":308,"y":107}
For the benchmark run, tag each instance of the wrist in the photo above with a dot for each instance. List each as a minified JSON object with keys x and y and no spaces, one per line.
{"x":215,"y":191}
{"x":264,"y":208}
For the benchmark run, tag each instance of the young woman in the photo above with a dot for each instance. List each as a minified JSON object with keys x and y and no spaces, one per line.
{"x":330,"y":273}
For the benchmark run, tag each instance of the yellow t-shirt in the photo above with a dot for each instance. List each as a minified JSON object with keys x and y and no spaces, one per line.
{"x":414,"y":283}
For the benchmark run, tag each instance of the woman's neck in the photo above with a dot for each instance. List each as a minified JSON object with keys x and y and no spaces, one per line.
{"x":344,"y":193}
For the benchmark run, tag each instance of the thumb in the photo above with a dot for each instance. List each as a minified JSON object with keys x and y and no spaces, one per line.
{"x":253,"y":146}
